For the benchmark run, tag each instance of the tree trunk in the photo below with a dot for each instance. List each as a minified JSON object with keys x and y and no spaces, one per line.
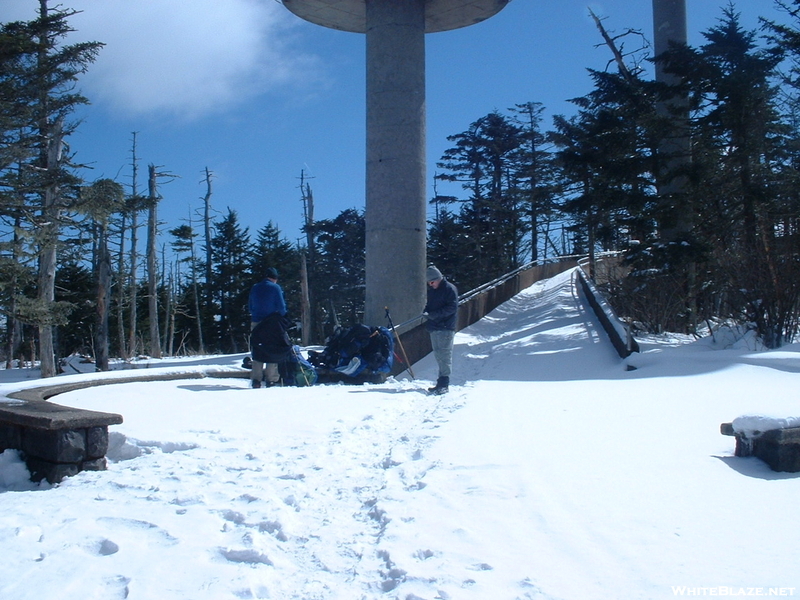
{"x":50,"y":160}
{"x":13,"y":327}
{"x":591,"y":241}
{"x":309,"y":294}
{"x":169,"y":314}
{"x":195,"y":290}
{"x":103,"y":287}
{"x":132,"y":283}
{"x":305,"y":308}
{"x":47,"y":253}
{"x":207,"y":231}
{"x":152,"y":274}
{"x":120,"y":277}
{"x":166,"y":286}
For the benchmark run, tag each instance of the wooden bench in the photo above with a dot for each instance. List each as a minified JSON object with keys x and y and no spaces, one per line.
{"x":779,"y":448}
{"x":58,"y":441}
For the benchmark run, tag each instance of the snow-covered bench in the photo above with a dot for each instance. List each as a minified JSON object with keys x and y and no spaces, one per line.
{"x":775,"y":440}
{"x":58,"y":441}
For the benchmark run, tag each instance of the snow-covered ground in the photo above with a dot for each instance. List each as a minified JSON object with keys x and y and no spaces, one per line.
{"x":549,"y":472}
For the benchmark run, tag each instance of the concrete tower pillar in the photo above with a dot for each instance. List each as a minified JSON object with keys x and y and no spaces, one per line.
{"x":396,"y":170}
{"x":395,"y":187}
{"x":669,"y":28}
{"x":679,"y":214}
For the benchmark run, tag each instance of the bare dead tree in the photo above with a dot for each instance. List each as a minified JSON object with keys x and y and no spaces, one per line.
{"x":308,"y":304}
{"x":207,"y":234}
{"x":618,"y":49}
{"x":133,"y":256}
{"x":152,"y":271}
{"x":152,"y":274}
{"x":196,"y":292}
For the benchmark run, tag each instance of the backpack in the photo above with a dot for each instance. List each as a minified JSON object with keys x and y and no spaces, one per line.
{"x":353,"y":351}
{"x":300,"y":372}
{"x":269,"y":340}
{"x":379,"y":351}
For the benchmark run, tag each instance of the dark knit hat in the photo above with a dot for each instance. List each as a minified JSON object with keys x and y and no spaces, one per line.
{"x":272,"y":273}
{"x":433,"y":274}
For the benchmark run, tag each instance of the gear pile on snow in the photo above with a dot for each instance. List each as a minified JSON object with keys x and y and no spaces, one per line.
{"x":297,"y":370}
{"x":360,"y":352}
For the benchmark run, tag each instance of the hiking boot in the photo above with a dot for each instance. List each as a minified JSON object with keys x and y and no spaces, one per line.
{"x":255,"y":384}
{"x":441,"y":386}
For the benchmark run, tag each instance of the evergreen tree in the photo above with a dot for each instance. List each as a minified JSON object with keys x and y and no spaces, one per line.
{"x":606,"y":157}
{"x":188,"y":321}
{"x":447,"y":246}
{"x":535,"y":174}
{"x":611,"y":153}
{"x":100,"y":200}
{"x":272,"y":250}
{"x":340,"y":267}
{"x":740,"y":160}
{"x":230,"y":250}
{"x":76,"y":287}
{"x":483,"y":160}
{"x":16,"y":45}
{"x":42,"y":101}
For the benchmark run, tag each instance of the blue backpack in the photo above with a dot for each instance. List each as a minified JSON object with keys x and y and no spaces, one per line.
{"x":353,"y":351}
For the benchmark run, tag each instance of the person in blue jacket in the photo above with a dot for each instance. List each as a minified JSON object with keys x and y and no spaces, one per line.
{"x":440,"y":312}
{"x":266,"y":301}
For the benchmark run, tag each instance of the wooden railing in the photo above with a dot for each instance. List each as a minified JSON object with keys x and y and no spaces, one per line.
{"x":476,"y":304}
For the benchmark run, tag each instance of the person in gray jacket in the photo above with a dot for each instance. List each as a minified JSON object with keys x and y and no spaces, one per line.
{"x":440,"y":312}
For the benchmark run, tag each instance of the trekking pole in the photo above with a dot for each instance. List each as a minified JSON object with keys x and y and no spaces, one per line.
{"x":399,"y":341}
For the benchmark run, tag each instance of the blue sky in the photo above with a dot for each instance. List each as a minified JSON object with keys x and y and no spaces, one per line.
{"x":256,"y":95}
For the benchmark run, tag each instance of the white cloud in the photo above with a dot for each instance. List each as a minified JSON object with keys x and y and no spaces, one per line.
{"x":183,"y":58}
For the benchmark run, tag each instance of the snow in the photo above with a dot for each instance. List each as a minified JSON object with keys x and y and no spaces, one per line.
{"x":754,"y":425}
{"x":550,"y":471}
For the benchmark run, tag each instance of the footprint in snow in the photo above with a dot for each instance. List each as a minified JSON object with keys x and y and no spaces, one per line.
{"x":116,"y":587}
{"x":107,"y":548}
{"x":273,"y":528}
{"x":135,"y":525}
{"x":248,"y":556}
{"x":233,"y":516}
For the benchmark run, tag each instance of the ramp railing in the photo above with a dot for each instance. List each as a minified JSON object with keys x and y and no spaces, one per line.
{"x":477,"y":303}
{"x":618,"y":331}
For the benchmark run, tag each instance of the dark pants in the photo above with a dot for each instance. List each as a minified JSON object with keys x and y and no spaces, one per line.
{"x":260,"y":369}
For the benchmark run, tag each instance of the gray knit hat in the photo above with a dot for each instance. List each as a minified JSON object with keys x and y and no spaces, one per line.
{"x":433,"y":274}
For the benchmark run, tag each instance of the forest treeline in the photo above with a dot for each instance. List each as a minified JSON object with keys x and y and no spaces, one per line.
{"x":694,"y":182}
